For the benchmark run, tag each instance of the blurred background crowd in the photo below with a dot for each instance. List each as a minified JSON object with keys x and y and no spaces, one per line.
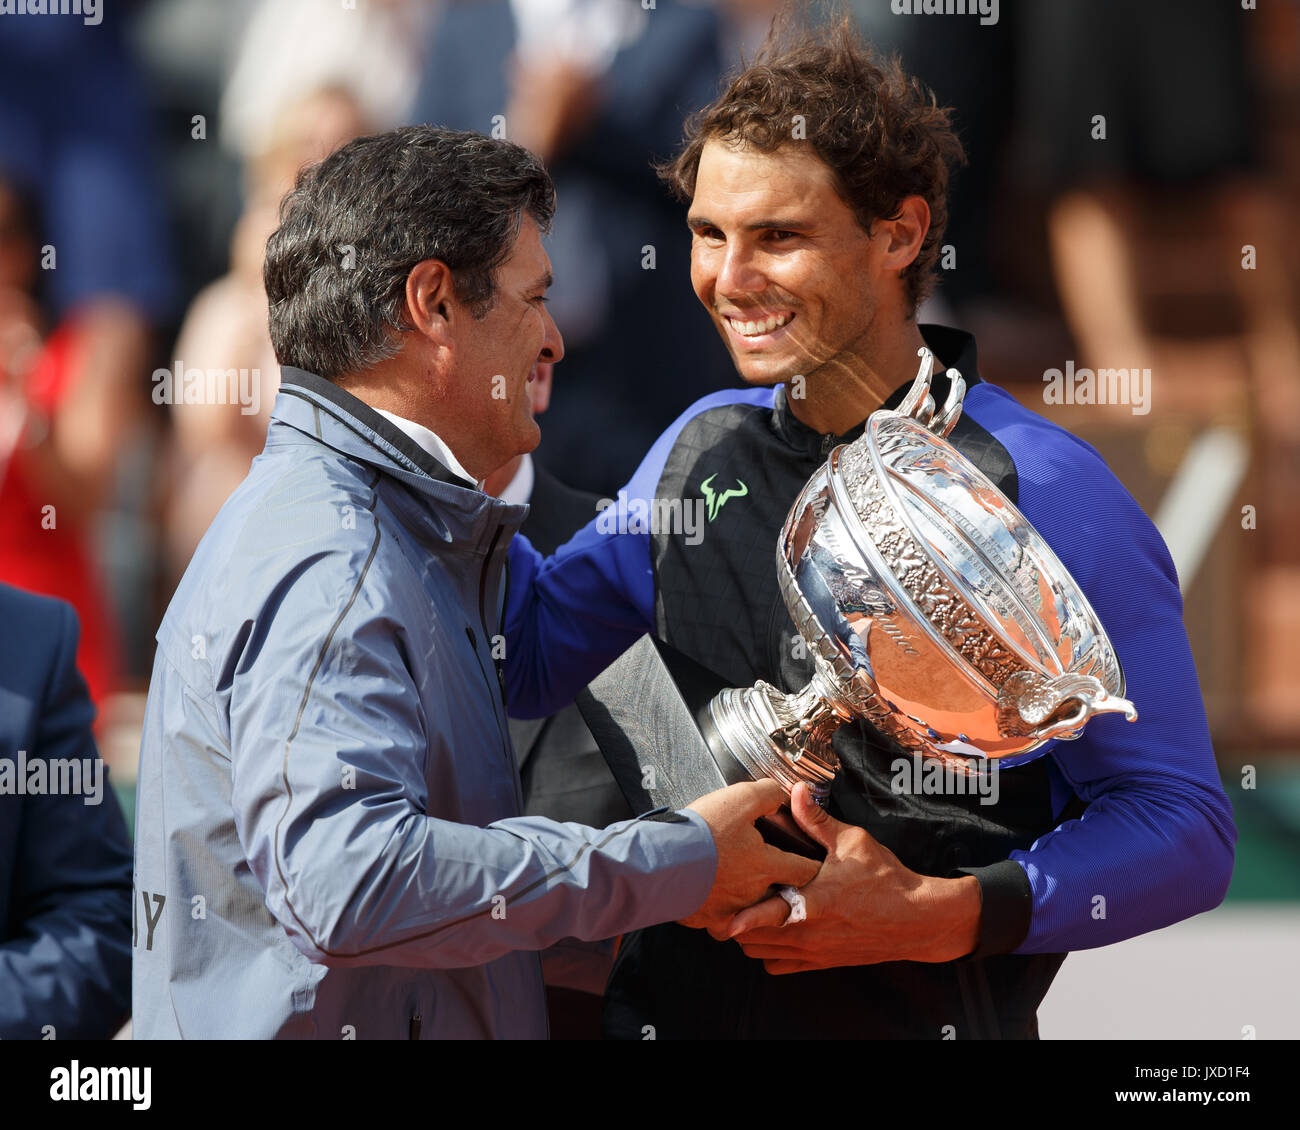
{"x":142,"y":161}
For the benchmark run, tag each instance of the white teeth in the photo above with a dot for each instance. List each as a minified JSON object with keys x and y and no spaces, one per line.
{"x":766,"y":326}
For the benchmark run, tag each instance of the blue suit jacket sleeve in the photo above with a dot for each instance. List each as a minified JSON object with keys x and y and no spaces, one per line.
{"x":65,"y":958}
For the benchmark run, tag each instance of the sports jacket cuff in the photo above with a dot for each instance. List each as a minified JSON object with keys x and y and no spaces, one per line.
{"x":1006,"y":906}
{"x":682,"y":841}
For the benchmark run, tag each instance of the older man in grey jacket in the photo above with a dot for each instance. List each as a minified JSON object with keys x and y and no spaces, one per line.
{"x":328,"y":833}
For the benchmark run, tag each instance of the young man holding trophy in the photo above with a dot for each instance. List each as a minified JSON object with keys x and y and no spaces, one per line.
{"x":958,"y":581}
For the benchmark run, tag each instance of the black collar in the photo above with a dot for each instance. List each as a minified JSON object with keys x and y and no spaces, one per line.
{"x":951,"y":347}
{"x":296,"y":382}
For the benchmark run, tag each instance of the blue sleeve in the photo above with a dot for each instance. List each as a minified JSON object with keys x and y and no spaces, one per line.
{"x":1156,"y":843}
{"x":65,"y":961}
{"x":569,"y":616}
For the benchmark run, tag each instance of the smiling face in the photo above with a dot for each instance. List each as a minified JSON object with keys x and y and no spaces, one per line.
{"x":497,"y":356}
{"x":792,"y":281}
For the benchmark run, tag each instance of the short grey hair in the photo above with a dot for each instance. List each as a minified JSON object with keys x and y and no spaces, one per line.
{"x":355,"y":225}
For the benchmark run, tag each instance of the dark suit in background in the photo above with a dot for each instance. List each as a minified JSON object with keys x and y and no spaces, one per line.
{"x":639,"y":347}
{"x":65,"y":866}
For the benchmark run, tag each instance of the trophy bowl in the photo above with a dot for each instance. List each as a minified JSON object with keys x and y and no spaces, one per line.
{"x":931,"y":608}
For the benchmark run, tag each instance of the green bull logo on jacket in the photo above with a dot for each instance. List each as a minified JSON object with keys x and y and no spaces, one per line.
{"x":716,"y":501}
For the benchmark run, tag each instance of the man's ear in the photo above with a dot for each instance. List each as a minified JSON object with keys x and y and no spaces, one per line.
{"x":906,"y":233}
{"x":431,"y":300}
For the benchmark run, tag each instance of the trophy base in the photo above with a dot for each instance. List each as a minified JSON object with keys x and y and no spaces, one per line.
{"x":745,"y":722}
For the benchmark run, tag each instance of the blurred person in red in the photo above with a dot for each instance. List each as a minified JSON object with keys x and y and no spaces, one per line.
{"x":86,"y":276}
{"x":64,"y":416}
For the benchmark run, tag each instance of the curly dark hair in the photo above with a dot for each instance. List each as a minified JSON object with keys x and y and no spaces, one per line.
{"x":357,"y":222}
{"x":880,"y":131}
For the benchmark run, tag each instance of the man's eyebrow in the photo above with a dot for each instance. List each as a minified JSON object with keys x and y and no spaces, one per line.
{"x":775,"y":224}
{"x":543,"y":282}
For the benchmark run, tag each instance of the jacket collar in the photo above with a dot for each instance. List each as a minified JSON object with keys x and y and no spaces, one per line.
{"x":368,"y":424}
{"x":953,"y":347}
{"x":319,"y":408}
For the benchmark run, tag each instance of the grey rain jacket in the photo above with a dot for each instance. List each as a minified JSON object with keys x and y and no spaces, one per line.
{"x":328,"y":839}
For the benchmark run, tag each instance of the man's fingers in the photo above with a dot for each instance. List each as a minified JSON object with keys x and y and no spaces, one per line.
{"x":770,"y":912}
{"x":763,"y":797}
{"x":781,"y":829}
{"x":787,"y":869}
{"x":766,"y":934}
{"x":740,"y":804}
{"x":813,"y":818}
{"x":782,"y":869}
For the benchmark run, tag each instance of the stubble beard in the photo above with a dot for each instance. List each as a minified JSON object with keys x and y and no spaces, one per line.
{"x":846,"y":373}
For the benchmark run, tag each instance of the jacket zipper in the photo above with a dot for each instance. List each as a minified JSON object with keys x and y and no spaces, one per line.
{"x":487,"y":636}
{"x":505,"y":747}
{"x":482,"y":612}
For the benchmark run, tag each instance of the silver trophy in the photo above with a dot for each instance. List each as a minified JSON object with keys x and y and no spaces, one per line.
{"x":931,"y":608}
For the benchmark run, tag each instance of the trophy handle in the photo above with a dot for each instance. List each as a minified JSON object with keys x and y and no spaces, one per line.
{"x":1032,"y":706}
{"x":919,"y":404}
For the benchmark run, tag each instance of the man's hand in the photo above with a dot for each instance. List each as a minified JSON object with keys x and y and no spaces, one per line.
{"x":863,"y":907}
{"x":747,"y":866}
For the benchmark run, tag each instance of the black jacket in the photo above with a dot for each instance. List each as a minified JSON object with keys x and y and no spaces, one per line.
{"x":718,"y":602}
